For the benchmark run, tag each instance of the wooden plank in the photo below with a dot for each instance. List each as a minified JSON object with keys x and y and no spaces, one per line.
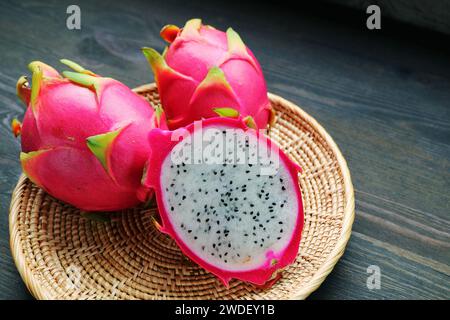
{"x":383,"y":96}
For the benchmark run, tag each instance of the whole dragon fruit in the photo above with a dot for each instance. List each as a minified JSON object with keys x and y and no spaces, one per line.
{"x":204,"y":68}
{"x":228,"y":196}
{"x":84,"y":137}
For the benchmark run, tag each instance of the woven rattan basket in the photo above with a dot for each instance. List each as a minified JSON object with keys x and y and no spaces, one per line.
{"x":62,"y":255}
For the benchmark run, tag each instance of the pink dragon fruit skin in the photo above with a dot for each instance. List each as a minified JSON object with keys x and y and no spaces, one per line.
{"x":84,"y":137}
{"x":204,"y":68}
{"x":163,"y":144}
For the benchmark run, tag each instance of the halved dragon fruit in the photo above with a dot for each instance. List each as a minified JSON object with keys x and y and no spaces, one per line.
{"x":84,"y":137}
{"x":228,"y":196}
{"x":205,"y":68}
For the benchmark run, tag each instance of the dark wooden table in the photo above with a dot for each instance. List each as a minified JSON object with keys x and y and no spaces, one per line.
{"x":384,"y":96}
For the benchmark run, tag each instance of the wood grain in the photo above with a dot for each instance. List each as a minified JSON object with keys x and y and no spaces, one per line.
{"x":383,"y":96}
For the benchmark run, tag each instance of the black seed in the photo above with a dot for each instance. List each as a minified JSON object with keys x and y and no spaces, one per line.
{"x":280,"y":222}
{"x":189,"y":231}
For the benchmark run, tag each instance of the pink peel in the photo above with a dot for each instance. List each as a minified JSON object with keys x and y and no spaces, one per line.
{"x":187,"y":90}
{"x":66,"y":113}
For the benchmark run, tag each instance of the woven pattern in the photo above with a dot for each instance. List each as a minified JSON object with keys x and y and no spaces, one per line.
{"x":62,"y":255}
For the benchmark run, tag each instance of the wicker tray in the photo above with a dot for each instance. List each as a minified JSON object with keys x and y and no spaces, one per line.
{"x":62,"y":255}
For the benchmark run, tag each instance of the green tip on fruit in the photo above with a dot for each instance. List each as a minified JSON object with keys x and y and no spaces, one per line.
{"x":250,"y":122}
{"x":158,"y":113}
{"x":100,"y":146}
{"x":273,"y":262}
{"x":235,"y":43}
{"x":36,"y":82}
{"x":191,"y":28}
{"x":237,"y":47}
{"x":227,"y":112}
{"x":169,"y":32}
{"x":155,"y":60}
{"x":25,"y":158}
{"x":23,"y":89}
{"x":76,"y":67}
{"x":85,"y":80}
{"x":82,"y":79}
{"x":215,"y":76}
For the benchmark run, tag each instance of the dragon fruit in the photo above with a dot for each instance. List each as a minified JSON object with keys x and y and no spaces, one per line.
{"x":84,"y":137}
{"x":204,"y":68}
{"x":228,"y":196}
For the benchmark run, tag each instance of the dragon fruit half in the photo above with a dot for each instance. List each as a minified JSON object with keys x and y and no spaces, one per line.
{"x":84,"y":137}
{"x":204,"y":68}
{"x":228,"y":196}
